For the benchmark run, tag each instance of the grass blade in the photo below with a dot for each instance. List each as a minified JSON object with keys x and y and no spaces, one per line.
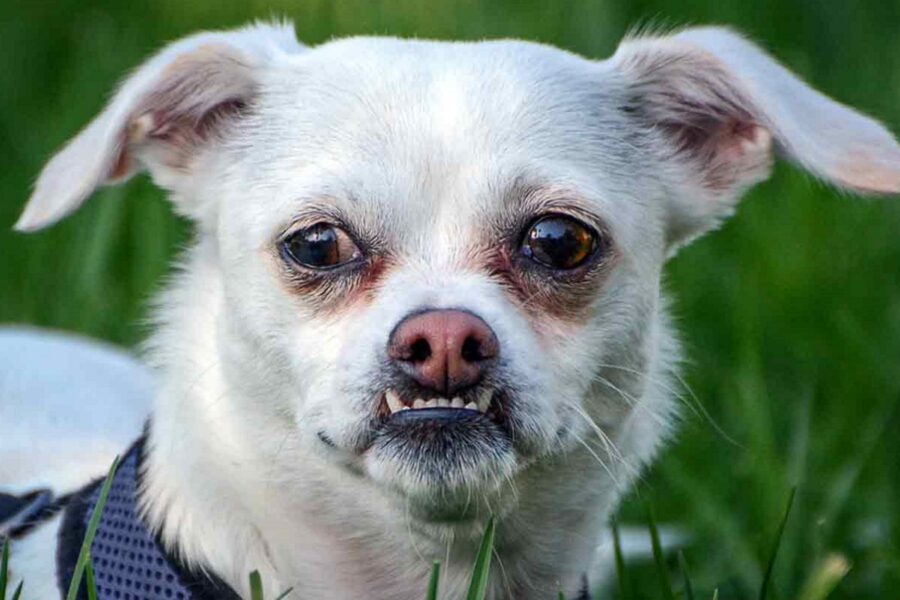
{"x":688,"y":586}
{"x":256,"y":588}
{"x":85,"y":551}
{"x":284,"y":594}
{"x":665,"y":581}
{"x":764,"y":590}
{"x":482,"y":568}
{"x":621,"y":575}
{"x":435,"y":579}
{"x":18,"y":593}
{"x":4,"y":568}
{"x":561,"y":596}
{"x":825,"y":578}
{"x":89,"y":579}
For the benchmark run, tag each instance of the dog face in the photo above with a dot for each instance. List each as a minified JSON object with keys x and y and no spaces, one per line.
{"x":458,"y":270}
{"x":431,"y":253}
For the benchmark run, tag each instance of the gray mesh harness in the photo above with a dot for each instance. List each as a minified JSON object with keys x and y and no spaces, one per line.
{"x":129,"y":561}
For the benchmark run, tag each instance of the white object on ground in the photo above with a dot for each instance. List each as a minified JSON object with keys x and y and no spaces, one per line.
{"x":68,"y":406}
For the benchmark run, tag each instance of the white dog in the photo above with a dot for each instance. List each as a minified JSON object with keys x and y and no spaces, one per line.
{"x":424,"y":290}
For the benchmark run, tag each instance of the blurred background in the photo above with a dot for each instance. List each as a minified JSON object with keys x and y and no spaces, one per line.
{"x":790,"y":312}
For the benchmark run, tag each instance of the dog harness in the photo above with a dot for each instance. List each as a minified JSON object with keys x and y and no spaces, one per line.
{"x":21,"y":514}
{"x":129,"y":561}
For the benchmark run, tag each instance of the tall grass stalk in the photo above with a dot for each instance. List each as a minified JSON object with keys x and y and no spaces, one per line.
{"x":481,"y":570}
{"x":764,"y":588}
{"x":85,"y":553}
{"x":434,"y":581}
{"x":4,"y":568}
{"x":665,"y":581}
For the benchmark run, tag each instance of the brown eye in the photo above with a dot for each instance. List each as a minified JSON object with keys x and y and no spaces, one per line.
{"x":559,"y":242}
{"x":321,"y":246}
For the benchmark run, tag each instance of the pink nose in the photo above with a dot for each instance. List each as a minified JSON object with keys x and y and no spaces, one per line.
{"x":443,"y":350}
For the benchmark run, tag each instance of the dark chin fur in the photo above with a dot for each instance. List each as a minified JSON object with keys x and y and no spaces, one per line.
{"x":445,"y":468}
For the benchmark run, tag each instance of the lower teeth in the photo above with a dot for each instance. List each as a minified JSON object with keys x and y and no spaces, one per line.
{"x":395,"y":404}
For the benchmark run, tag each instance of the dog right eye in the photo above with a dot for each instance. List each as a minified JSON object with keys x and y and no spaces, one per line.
{"x":321,"y":246}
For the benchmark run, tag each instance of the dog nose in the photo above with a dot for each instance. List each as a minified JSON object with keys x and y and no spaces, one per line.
{"x":443,"y":350}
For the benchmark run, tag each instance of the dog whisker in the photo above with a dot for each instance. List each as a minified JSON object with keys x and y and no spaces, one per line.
{"x":608,"y":444}
{"x":599,"y":460}
{"x":411,"y":537}
{"x":506,"y":583}
{"x":629,"y":399}
{"x":697,"y":407}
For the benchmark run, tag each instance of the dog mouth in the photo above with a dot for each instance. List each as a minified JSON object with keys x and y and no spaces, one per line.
{"x":436,"y":452}
{"x":397,"y":407}
{"x":394,"y":402}
{"x":421,"y":445}
{"x":437,"y":424}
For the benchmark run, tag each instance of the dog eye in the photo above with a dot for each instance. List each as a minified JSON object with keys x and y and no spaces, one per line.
{"x":321,"y":246}
{"x":559,"y":242}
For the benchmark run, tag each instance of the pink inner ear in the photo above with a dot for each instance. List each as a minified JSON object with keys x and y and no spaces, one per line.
{"x":122,"y":165}
{"x":741,"y":154}
{"x":726,"y":150}
{"x":182,"y":134}
{"x":198,"y":126}
{"x":690,"y":97}
{"x":870,"y":174}
{"x":188,"y":103}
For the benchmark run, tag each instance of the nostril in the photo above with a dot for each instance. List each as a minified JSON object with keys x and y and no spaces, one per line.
{"x":419,"y":351}
{"x":471,"y":350}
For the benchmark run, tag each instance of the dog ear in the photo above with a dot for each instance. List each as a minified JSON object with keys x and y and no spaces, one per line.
{"x":173,"y":106}
{"x":719,"y":102}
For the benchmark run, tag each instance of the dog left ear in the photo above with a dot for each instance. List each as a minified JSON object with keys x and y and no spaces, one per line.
{"x":172,"y":107}
{"x":718,"y":102}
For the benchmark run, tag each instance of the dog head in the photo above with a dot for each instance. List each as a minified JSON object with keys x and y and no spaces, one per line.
{"x":428,"y":252}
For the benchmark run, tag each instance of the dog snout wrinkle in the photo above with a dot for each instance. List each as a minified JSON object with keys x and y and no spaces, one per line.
{"x":444,"y":350}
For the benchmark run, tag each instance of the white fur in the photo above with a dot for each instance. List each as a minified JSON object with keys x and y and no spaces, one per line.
{"x":420,"y":144}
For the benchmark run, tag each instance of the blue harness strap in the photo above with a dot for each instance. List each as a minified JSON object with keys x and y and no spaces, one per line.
{"x":20,"y":514}
{"x":129,"y":561}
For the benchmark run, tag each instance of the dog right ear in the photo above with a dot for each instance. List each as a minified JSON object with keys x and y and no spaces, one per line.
{"x":172,"y":107}
{"x":721,"y":107}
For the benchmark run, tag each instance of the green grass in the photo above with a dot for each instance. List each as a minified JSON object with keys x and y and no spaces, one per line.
{"x":662,"y":570}
{"x":480,"y":572}
{"x":624,"y":587}
{"x":767,"y":578}
{"x":791,"y":312}
{"x":434,"y":582}
{"x":4,"y":569}
{"x":84,"y":555}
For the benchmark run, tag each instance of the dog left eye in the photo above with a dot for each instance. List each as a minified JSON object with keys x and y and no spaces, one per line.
{"x":321,"y":246}
{"x":559,"y":242}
